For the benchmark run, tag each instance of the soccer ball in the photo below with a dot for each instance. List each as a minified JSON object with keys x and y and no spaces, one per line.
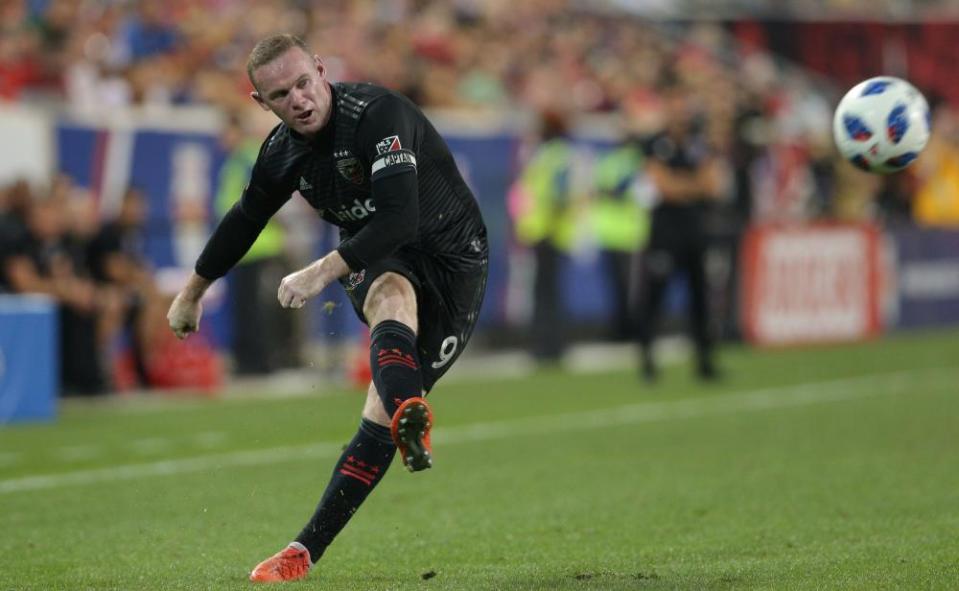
{"x":882,"y":124}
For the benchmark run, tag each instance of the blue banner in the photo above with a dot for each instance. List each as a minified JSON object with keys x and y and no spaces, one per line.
{"x":927,"y":279}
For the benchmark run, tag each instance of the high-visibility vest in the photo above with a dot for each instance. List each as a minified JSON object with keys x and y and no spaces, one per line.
{"x":937,"y":200}
{"x":546,"y":211}
{"x":619,"y":221}
{"x":234,"y":176}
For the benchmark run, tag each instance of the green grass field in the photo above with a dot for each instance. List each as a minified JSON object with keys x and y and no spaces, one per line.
{"x":831,"y":468}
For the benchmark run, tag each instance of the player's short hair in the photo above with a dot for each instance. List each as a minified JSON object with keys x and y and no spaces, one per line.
{"x":270,"y":48}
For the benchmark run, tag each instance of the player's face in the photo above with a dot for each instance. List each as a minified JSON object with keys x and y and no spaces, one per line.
{"x":294,"y":87}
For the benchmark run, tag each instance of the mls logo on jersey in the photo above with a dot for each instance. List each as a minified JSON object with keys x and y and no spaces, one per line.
{"x":388,"y":144}
{"x":351,"y":169}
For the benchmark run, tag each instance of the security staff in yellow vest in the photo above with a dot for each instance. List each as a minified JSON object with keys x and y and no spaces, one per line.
{"x":621,"y":226}
{"x":264,"y":338}
{"x":545,"y":223}
{"x":936,"y":202}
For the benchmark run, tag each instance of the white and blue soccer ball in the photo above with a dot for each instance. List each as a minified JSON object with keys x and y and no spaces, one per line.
{"x":882,"y":124}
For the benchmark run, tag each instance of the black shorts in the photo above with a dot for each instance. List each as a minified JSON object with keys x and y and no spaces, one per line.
{"x":448,"y":303}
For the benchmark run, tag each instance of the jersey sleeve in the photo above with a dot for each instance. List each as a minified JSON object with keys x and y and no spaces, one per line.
{"x":388,"y":139}
{"x":239,"y":228}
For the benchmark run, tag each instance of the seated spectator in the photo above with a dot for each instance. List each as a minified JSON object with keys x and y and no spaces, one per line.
{"x":41,"y":262}
{"x":118,"y":266}
{"x":14,"y":199}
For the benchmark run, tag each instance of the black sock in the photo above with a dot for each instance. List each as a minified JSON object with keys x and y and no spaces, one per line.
{"x":357,"y":472}
{"x":395,"y":364}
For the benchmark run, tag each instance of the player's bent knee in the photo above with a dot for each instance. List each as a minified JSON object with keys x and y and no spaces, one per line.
{"x":391,"y":297}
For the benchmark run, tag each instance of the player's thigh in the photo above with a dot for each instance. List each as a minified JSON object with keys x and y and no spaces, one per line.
{"x":360,"y":285}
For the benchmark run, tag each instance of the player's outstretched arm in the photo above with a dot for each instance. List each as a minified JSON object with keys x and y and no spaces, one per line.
{"x":186,"y":309}
{"x":300,"y":286}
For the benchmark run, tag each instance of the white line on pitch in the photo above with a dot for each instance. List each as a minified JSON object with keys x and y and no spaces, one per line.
{"x":753,"y":400}
{"x":150,"y":445}
{"x":209,"y":439}
{"x":9,"y":458}
{"x":77,"y":453}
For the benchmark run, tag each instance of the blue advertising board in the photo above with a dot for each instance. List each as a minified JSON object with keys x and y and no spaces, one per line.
{"x":927,"y":277}
{"x":29,"y":360}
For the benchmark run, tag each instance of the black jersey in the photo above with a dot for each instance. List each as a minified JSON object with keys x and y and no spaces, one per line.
{"x":112,"y":239}
{"x":378,"y":169}
{"x":686,"y":154}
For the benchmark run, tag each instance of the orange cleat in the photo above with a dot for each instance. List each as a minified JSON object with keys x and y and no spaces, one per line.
{"x":289,"y":564}
{"x":410,"y":428}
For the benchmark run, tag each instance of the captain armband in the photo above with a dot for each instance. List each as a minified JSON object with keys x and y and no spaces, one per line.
{"x":390,"y":163}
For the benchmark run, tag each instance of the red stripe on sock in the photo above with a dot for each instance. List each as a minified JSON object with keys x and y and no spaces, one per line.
{"x":395,"y":360}
{"x":368,"y":481}
{"x":357,"y":469}
{"x":396,"y":356}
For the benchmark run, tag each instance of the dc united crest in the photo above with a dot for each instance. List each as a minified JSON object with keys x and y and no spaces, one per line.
{"x":355,"y":279}
{"x":350,"y":168}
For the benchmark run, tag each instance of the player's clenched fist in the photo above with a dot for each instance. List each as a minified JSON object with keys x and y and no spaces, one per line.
{"x":298,"y":287}
{"x":184,"y":315}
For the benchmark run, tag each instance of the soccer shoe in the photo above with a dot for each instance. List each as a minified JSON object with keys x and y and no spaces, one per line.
{"x":289,"y":564}
{"x":410,"y":428}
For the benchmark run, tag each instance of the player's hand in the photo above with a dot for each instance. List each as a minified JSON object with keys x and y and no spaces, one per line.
{"x":300,"y":286}
{"x":184,"y":315}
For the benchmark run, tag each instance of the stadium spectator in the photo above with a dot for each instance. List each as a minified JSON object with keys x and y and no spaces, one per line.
{"x":621,"y":223}
{"x":894,"y":199}
{"x":413,"y":258}
{"x":263,"y":335}
{"x":20,"y":62}
{"x":14,"y":202}
{"x":118,"y":264}
{"x":82,"y":224}
{"x":147,"y":31}
{"x":544,"y":220}
{"x":42,"y":261}
{"x":687,"y":175}
{"x":937,"y":199}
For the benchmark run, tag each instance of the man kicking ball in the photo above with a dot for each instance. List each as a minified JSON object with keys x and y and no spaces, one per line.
{"x":413,"y":259}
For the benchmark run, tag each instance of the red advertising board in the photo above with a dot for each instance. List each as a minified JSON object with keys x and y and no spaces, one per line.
{"x":810,"y":284}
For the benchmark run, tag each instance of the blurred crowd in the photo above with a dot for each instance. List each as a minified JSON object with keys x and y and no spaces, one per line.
{"x":769,"y":123}
{"x":54,"y":243}
{"x":539,"y":55}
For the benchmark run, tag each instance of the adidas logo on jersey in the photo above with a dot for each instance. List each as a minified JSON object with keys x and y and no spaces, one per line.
{"x":305,"y":185}
{"x":356,"y":212}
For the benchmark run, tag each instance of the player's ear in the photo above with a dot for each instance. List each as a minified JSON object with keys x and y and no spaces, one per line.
{"x":259,"y":100}
{"x":320,"y":66}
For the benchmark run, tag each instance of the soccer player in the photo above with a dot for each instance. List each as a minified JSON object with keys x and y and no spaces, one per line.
{"x":413,"y":258}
